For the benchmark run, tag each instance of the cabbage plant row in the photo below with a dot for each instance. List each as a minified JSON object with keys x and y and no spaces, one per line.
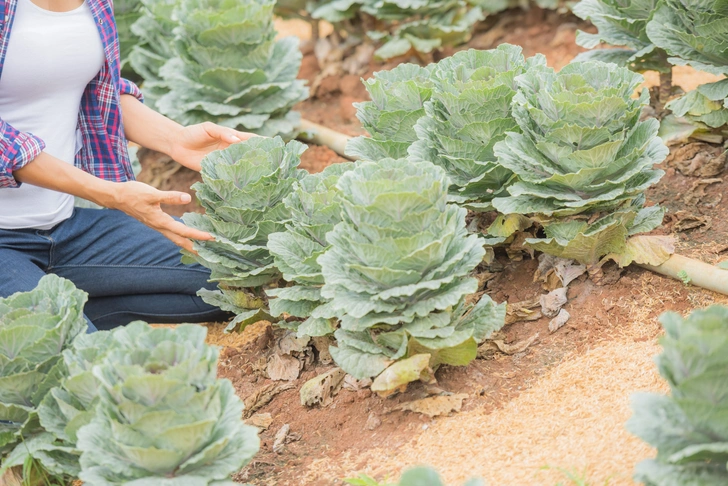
{"x":656,"y":34}
{"x":138,"y":405}
{"x":371,"y":252}
{"x":420,"y":26}
{"x":566,"y":151}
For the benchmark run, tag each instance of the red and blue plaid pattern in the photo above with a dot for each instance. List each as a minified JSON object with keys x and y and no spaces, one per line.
{"x":104,"y":151}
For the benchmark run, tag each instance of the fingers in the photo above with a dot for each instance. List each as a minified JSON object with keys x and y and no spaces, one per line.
{"x":227,"y":135}
{"x":244,"y":135}
{"x":179,"y":241}
{"x":174,"y":197}
{"x":185,"y":231}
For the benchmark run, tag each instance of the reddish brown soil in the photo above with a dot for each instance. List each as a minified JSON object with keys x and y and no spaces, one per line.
{"x":626,"y":309}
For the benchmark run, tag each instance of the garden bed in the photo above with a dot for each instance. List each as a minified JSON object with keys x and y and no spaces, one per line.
{"x":561,"y":402}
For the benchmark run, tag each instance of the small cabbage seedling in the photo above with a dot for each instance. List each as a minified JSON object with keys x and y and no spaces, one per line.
{"x":470,"y":111}
{"x":397,"y":275}
{"x":231,"y":70}
{"x":162,"y":415}
{"x":242,"y":191}
{"x":688,"y":427}
{"x":314,"y":208}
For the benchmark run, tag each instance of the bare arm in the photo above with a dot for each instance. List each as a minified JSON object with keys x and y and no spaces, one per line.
{"x":186,"y":145}
{"x":136,"y":199}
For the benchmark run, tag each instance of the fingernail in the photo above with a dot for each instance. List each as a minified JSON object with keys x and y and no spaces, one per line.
{"x":235,"y":139}
{"x":185,"y":198}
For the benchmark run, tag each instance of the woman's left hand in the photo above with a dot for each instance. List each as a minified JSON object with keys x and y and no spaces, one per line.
{"x":189,"y":145}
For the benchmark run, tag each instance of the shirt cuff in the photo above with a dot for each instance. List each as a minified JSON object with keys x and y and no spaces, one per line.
{"x":24,"y":148}
{"x":128,"y":87}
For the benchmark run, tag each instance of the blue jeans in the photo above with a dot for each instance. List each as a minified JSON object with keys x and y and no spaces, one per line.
{"x":130,"y":271}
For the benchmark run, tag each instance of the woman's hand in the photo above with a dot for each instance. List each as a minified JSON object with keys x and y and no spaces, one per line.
{"x":142,"y":202}
{"x":186,"y":145}
{"x":189,"y":145}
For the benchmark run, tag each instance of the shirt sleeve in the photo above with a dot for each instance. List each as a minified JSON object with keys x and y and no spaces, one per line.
{"x":17,"y":149}
{"x":128,"y":87}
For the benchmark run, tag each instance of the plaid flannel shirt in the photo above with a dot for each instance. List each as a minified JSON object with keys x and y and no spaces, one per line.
{"x":104,"y":149}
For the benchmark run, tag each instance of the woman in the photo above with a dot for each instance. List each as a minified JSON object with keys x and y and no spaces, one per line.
{"x":65,"y":117}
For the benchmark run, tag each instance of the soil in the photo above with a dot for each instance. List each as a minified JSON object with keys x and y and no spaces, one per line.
{"x":561,"y":402}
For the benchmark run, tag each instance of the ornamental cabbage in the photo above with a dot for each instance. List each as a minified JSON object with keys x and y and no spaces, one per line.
{"x":469,"y":112}
{"x":314,"y":209}
{"x":230,"y":70}
{"x":622,"y":24}
{"x":154,"y":28}
{"x":398,"y":98}
{"x":242,"y":191}
{"x":397,"y":272}
{"x":35,"y":328}
{"x":689,"y":427}
{"x":421,"y":25}
{"x":72,"y":403}
{"x":163,"y":417}
{"x":583,"y":160}
{"x":695,"y":33}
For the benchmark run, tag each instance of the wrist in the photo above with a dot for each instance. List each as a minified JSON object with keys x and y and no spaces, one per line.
{"x":106,"y":194}
{"x":171,"y":141}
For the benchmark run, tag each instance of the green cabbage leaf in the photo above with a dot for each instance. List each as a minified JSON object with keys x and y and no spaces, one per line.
{"x":470,"y":111}
{"x":583,"y":159}
{"x":35,"y":329}
{"x":314,"y":209}
{"x":242,"y":191}
{"x":397,"y":271}
{"x":162,"y":416}
{"x":230,"y":69}
{"x":689,"y":427}
{"x":398,"y":98}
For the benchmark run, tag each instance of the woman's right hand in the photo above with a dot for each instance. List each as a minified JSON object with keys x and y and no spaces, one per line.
{"x":142,"y":202}
{"x":136,"y":199}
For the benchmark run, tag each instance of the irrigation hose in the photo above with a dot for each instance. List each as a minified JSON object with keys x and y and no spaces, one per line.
{"x":693,"y":272}
{"x":320,"y":135}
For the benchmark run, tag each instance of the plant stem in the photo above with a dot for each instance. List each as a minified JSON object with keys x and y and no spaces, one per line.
{"x":700,"y":273}
{"x":320,"y":135}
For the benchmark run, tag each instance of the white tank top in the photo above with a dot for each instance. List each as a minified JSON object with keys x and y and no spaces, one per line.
{"x":50,"y":59}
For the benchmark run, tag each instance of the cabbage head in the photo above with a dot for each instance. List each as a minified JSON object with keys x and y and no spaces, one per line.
{"x":315,"y":209}
{"x":71,"y":403}
{"x":35,"y":328}
{"x":242,"y":191}
{"x":695,"y":33}
{"x":230,"y":69}
{"x":163,"y":417}
{"x":398,"y":98}
{"x":420,"y":25}
{"x":623,"y":24}
{"x":155,"y":31}
{"x":470,"y":111}
{"x":689,"y":427}
{"x":583,"y":159}
{"x":397,"y":272}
